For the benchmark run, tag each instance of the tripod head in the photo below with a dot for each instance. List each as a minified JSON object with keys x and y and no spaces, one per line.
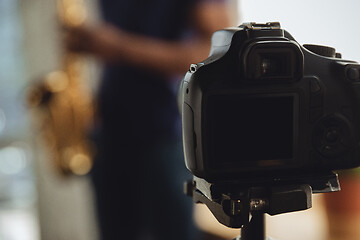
{"x":243,"y":203}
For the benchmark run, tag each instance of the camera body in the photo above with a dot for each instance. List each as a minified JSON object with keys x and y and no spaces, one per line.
{"x":263,"y":105}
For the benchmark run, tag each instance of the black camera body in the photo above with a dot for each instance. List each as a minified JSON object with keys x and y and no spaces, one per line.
{"x":263,"y":105}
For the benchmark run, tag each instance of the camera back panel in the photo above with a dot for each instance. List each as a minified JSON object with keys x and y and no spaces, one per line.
{"x":263,"y":104}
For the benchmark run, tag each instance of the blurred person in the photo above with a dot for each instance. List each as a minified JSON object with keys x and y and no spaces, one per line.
{"x":139,"y":171}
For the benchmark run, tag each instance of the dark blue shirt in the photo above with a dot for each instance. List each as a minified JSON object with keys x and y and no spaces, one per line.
{"x":138,"y":101}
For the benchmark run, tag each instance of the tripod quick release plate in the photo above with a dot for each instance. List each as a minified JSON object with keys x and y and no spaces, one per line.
{"x":233,"y":203}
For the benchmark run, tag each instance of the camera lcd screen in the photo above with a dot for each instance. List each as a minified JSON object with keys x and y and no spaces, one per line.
{"x":250,"y":129}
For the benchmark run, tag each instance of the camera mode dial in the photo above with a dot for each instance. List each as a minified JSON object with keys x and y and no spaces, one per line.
{"x":324,"y":51}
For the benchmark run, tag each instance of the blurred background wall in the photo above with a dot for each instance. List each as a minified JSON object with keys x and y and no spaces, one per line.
{"x":35,"y":201}
{"x":64,"y":204}
{"x":18,"y":196}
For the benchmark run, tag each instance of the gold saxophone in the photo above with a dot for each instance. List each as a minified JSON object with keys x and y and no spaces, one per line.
{"x":63,"y":103}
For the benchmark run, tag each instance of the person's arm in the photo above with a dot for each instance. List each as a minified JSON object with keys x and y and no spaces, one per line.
{"x":114,"y":45}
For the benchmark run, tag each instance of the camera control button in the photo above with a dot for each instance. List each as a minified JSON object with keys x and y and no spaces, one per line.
{"x":353,"y":74}
{"x":332,"y":135}
{"x":315,"y":86}
{"x":316,"y":92}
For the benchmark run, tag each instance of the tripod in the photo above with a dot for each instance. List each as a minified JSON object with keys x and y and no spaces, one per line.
{"x":255,"y":229}
{"x":243,"y":203}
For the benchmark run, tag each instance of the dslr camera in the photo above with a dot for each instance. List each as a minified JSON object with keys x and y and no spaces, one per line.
{"x":262,"y":105}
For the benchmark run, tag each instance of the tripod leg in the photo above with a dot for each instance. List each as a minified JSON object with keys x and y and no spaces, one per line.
{"x":255,"y":230}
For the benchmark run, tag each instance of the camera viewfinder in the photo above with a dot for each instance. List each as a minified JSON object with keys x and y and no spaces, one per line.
{"x":274,"y":61}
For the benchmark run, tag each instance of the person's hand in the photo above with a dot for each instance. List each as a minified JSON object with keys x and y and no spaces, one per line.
{"x":100,"y":41}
